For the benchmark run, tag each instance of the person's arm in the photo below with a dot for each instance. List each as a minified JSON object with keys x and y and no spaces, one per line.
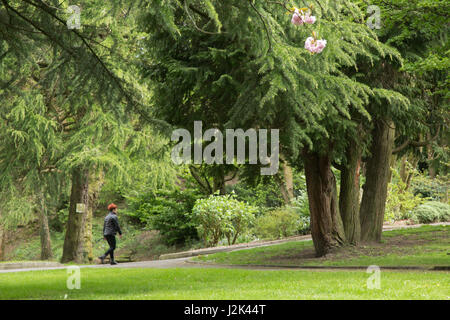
{"x":104,"y":226}
{"x":116,"y":221}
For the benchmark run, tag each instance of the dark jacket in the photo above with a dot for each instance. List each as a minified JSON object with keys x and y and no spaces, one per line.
{"x":111,"y":225}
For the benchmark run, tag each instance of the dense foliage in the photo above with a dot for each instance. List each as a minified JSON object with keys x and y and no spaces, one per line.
{"x":87,"y":113}
{"x":432,"y":211}
{"x":222,"y":216}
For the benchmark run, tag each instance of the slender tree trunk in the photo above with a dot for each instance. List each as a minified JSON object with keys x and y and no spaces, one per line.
{"x":349,"y":194}
{"x":46,"y":244}
{"x":326,"y":225}
{"x":73,"y":242}
{"x":378,"y":174}
{"x":44,"y":230}
{"x":87,"y":243}
{"x":219,"y":181}
{"x":286,"y":182}
{"x":403,"y":168}
{"x":95,"y":184}
{"x":430,"y":157}
{"x":414,"y":161}
{"x":2,"y":242}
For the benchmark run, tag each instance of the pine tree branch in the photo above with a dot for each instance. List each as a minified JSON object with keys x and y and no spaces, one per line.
{"x":264,"y":23}
{"x":130,"y":100}
{"x":283,"y":4}
{"x":6,"y":4}
{"x":193,"y":21}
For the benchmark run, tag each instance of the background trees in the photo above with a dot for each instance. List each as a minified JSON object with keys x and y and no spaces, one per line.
{"x":416,"y":29}
{"x":87,"y":112}
{"x":65,"y":117}
{"x":255,"y":54}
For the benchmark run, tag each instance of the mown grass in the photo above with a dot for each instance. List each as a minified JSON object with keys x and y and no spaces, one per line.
{"x":193,"y":284}
{"x":425,"y":246}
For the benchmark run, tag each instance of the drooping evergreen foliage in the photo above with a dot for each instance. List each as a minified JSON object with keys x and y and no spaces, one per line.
{"x":68,"y":95}
{"x":90,"y":108}
{"x":242,"y":64}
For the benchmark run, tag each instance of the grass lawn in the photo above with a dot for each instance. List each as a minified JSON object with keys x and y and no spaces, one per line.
{"x":425,"y":246}
{"x":193,"y":284}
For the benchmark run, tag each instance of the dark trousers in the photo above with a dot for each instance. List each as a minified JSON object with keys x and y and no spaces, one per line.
{"x":112,"y":246}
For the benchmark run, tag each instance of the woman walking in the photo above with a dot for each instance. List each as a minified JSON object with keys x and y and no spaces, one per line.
{"x":110,"y":228}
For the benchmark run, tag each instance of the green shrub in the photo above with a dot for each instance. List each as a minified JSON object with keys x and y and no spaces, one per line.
{"x":278,"y":223}
{"x":301,"y":205}
{"x":432,"y":211}
{"x":263,"y":195}
{"x":169,"y":212}
{"x":400,"y":201}
{"x":436,"y":189}
{"x":222,"y":216}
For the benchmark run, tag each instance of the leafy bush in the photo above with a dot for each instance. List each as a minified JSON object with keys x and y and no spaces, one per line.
{"x":400,"y":201}
{"x":301,"y":205}
{"x":432,"y":211}
{"x":222,"y":216}
{"x":169,"y":212}
{"x":263,"y":195}
{"x":436,"y":189}
{"x":278,"y":223}
{"x":282,"y":222}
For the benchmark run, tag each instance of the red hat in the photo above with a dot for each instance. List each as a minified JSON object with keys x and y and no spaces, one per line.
{"x":111,"y":207}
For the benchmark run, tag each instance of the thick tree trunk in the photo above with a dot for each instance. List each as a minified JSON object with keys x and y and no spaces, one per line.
{"x":326,"y":225}
{"x":378,"y":174}
{"x":349,"y":194}
{"x":74,"y":240}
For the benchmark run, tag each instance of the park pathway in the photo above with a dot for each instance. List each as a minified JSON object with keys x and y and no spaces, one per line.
{"x":184,"y":262}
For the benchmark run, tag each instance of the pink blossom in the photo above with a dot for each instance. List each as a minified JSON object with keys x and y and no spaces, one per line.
{"x":297,"y":19}
{"x":315,"y":46}
{"x":309,"y":19}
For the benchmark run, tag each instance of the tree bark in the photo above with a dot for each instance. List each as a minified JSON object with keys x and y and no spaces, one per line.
{"x":286,"y":182}
{"x":73,"y":242}
{"x":44,"y":230}
{"x":87,"y":241}
{"x":2,"y":242}
{"x":326,"y":225}
{"x":430,"y":157}
{"x":46,"y":244}
{"x":95,"y":185}
{"x":349,"y":193}
{"x":378,"y":174}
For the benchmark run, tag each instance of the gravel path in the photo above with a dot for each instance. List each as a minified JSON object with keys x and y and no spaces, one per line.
{"x":185,"y":263}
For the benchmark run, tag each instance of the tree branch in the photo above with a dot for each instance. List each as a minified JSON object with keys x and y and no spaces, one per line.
{"x":264,"y":23}
{"x":416,"y":144}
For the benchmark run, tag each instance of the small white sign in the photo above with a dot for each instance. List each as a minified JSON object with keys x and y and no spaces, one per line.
{"x":80,"y":207}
